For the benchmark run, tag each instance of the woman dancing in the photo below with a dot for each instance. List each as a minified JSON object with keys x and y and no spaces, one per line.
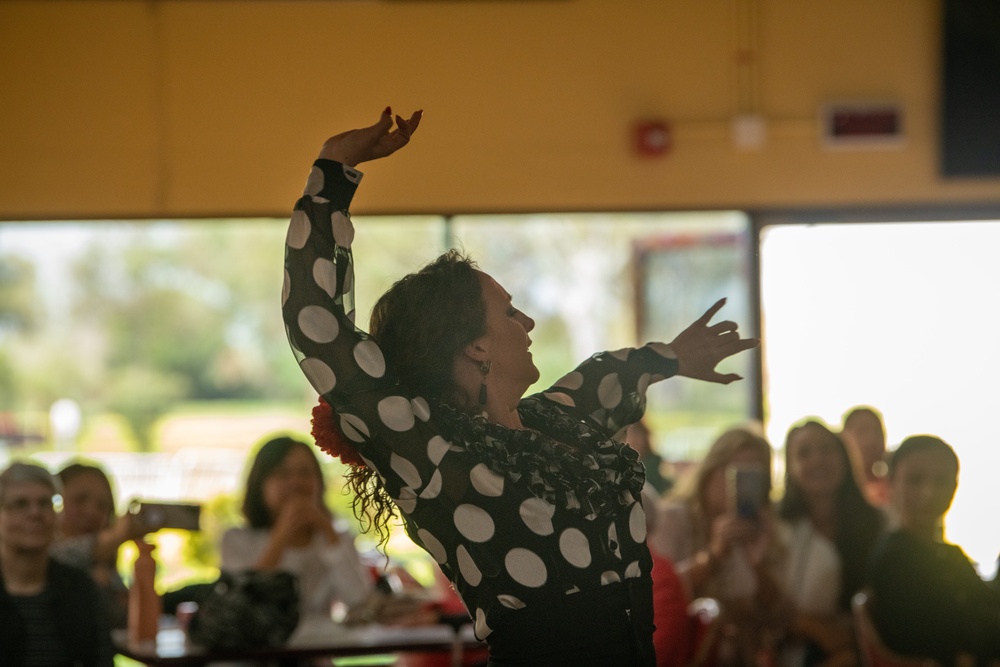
{"x":529,"y":504}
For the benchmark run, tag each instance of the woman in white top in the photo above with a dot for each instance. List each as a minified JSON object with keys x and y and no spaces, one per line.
{"x":290,"y":528}
{"x":832,"y":532}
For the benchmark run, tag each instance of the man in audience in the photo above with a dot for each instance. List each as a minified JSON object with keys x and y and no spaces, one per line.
{"x":50,"y":613}
{"x":928,"y":599}
{"x":864,"y":432}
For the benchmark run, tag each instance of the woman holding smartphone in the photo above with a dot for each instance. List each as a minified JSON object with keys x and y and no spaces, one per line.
{"x":724,"y":547}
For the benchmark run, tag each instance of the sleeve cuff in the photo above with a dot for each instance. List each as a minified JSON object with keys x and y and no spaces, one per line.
{"x":334,"y":182}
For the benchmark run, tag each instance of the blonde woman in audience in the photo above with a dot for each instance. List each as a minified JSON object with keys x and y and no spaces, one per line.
{"x":724,"y":550}
{"x":832,"y":530}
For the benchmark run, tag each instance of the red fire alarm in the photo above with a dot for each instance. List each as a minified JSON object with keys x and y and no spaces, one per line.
{"x":652,"y":138}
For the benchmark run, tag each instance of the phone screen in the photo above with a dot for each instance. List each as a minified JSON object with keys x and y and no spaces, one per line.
{"x":747,"y":489}
{"x":180,"y":516}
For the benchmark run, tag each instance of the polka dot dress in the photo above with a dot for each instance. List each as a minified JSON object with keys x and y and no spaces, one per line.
{"x":512,"y":516}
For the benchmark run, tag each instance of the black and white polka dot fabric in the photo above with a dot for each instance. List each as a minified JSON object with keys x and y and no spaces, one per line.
{"x":512,"y":516}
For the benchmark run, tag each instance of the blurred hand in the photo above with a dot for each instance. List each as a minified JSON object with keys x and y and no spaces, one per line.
{"x":701,"y":347}
{"x":301,"y":517}
{"x":727,"y":530}
{"x":373,"y":142}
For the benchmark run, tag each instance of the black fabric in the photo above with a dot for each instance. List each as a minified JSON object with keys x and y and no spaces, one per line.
{"x":247,"y":610}
{"x":78,"y":615}
{"x":928,"y":600}
{"x":611,"y":626}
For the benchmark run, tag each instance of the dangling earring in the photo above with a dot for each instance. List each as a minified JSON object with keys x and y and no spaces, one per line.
{"x":485,"y":370}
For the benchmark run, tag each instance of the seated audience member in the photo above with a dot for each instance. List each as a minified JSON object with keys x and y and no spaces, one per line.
{"x":50,"y":613}
{"x":639,"y":437}
{"x":927,"y":599}
{"x":832,"y":530}
{"x":864,"y":432}
{"x":89,"y":533}
{"x":290,"y":528}
{"x":717,"y":553}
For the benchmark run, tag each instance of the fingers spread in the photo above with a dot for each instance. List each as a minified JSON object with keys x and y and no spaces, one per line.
{"x":726,"y":326}
{"x":712,"y":311}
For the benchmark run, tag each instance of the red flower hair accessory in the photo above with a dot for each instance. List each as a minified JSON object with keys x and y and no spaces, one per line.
{"x":329,"y":437}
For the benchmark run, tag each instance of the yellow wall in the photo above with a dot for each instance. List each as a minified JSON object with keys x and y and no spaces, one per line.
{"x":212,"y":108}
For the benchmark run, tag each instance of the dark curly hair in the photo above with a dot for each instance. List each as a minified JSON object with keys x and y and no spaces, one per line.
{"x":421,"y":324}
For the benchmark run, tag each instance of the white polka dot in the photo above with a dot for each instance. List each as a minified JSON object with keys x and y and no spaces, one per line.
{"x":286,"y":288}
{"x":561,"y":398}
{"x":318,"y":324}
{"x":486,"y":482}
{"x":511,"y":602}
{"x":421,"y":410}
{"x":643,"y":383}
{"x":320,"y":376}
{"x":613,"y":540}
{"x":468,"y":567}
{"x":407,"y":500}
{"x":481,"y":629}
{"x":396,"y":413}
{"x":572,"y":380}
{"x":574,"y":548}
{"x":622,"y":354}
{"x":432,"y":545}
{"x":369,"y":358}
{"x":298,"y":230}
{"x":368,"y":463}
{"x":637,"y":523}
{"x":316,"y":199}
{"x":633,"y":571}
{"x":354,"y":428}
{"x":537,"y":516}
{"x":525,"y":567}
{"x":405,"y":469}
{"x":609,"y":392}
{"x":474,"y":523}
{"x":575,"y":589}
{"x":436,"y":449}
{"x":609,"y":577}
{"x":325,"y":275}
{"x":433,"y":488}
{"x":663,"y":350}
{"x":343,"y":230}
{"x":314,"y":184}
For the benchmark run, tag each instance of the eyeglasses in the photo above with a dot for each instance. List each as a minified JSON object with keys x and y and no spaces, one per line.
{"x":23,"y":505}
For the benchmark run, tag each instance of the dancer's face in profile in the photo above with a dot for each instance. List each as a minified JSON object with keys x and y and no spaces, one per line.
{"x":506,"y":340}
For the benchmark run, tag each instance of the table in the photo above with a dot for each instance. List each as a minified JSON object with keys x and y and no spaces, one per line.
{"x":313,"y":638}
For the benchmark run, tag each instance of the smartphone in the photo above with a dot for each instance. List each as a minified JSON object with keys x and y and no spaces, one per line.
{"x":157,"y":515}
{"x":747,"y":489}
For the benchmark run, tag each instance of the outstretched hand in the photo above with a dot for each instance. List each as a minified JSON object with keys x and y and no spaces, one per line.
{"x":370,"y":143}
{"x":701,"y":347}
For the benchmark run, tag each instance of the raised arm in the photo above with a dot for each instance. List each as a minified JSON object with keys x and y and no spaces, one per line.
{"x":610,"y":387}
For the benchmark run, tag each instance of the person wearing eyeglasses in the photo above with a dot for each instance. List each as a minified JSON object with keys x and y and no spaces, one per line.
{"x":50,"y":613}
